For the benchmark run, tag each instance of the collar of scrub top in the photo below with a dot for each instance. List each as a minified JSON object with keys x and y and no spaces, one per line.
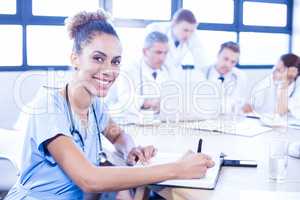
{"x":101,"y":155}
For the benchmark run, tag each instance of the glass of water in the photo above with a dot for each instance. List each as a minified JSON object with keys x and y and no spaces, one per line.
{"x":278,"y":159}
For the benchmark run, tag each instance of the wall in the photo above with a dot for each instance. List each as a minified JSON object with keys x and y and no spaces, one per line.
{"x":296,"y":28}
{"x":18,"y":88}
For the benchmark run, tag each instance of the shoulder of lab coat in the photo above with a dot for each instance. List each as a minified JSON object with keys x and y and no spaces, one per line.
{"x":197,"y":50}
{"x":206,"y":70}
{"x":294,"y":101}
{"x":127,"y":93}
{"x":162,"y":27}
{"x":241,"y":75}
{"x":240,"y":93}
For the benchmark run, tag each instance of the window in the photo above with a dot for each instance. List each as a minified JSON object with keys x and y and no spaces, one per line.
{"x":212,"y":40}
{"x":264,"y":14}
{"x":262,"y":48}
{"x":213,"y":11}
{"x":142,"y":9}
{"x":48,"y":45}
{"x":34,"y":32}
{"x":8,"y":7}
{"x":11,"y":45}
{"x":132,"y":41}
{"x":62,"y":7}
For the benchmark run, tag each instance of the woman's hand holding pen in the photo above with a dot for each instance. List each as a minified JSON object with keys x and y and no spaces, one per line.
{"x":141,"y":154}
{"x":193,"y":165}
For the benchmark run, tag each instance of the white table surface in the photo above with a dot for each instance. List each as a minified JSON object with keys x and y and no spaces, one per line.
{"x":234,"y":182}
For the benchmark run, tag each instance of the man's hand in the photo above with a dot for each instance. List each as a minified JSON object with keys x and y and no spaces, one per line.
{"x":141,"y":154}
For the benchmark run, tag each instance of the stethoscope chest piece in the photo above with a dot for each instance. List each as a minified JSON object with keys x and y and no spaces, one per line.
{"x":102,"y":157}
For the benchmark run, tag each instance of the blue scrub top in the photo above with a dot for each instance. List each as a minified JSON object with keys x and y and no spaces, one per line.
{"x":41,"y":176}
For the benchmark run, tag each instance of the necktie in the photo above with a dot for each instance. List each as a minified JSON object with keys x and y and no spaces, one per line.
{"x":221,"y":78}
{"x":176,"y":43}
{"x":154,"y":75}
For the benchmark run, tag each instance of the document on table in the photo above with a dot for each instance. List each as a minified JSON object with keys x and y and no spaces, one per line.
{"x":209,"y":181}
{"x":294,"y":123}
{"x":245,"y":127}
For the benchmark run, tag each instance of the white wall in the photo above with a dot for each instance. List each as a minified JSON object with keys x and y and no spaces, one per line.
{"x":296,"y":28}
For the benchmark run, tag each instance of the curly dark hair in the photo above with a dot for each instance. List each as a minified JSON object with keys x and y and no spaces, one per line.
{"x":82,"y":27}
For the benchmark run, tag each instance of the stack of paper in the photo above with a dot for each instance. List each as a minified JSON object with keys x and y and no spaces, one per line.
{"x":246,"y":127}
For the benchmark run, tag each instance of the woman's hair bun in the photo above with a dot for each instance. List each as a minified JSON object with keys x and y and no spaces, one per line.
{"x":75,"y":22}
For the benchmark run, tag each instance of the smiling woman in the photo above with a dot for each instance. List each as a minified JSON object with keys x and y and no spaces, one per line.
{"x":63,"y":156}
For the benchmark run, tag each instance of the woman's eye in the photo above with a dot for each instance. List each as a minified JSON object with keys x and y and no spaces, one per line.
{"x":116,"y":62}
{"x":99,"y":59}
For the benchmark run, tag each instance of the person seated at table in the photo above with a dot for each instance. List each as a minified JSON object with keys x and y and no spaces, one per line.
{"x":62,"y":155}
{"x":231,"y":81}
{"x":140,"y":83}
{"x":280,"y":91}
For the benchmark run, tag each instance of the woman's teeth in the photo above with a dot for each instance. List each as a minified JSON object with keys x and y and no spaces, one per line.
{"x":102,"y":82}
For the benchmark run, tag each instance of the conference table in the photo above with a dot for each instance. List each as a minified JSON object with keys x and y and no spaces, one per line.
{"x":234,"y":182}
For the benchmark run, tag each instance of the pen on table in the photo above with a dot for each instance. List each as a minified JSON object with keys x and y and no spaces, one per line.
{"x":252,"y":117}
{"x":199,"y":146}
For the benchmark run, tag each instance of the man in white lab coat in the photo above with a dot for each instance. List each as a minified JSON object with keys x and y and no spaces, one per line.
{"x":279,"y":93}
{"x":231,"y":81}
{"x":139,"y":83}
{"x":183,"y":39}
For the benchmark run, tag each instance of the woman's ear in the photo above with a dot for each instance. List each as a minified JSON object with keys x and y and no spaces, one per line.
{"x":75,"y":60}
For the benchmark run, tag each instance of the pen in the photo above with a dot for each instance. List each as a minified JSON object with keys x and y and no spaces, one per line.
{"x":199,"y":146}
{"x":252,"y":117}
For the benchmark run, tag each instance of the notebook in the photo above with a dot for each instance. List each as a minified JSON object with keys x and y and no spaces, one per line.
{"x":209,"y":181}
{"x":247,"y":127}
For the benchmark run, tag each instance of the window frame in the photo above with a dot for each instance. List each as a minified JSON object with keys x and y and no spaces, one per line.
{"x":24,"y":18}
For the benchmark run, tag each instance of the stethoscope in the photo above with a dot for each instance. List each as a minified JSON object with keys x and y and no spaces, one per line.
{"x":101,"y":156}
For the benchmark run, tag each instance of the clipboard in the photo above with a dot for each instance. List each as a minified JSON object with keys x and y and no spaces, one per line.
{"x":208,"y":182}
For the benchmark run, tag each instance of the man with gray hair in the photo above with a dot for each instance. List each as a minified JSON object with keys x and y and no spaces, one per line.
{"x":139,"y":84}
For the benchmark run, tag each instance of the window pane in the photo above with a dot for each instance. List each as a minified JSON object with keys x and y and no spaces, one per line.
{"x":11,"y":45}
{"x":142,"y":9}
{"x":262,"y":48}
{"x":211,"y":42}
{"x":132,"y":41}
{"x":62,"y":7}
{"x":213,"y":11}
{"x":264,"y":14}
{"x":8,"y":7}
{"x":48,"y":45}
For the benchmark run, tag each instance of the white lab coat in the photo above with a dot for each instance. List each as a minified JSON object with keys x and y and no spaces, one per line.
{"x":135,"y":84}
{"x":232,"y":90}
{"x":263,"y":97}
{"x":176,"y":55}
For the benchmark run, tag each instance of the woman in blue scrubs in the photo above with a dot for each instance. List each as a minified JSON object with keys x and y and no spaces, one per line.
{"x":62,"y":148}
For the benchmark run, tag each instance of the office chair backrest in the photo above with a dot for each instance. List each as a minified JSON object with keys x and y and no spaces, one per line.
{"x":8,"y":173}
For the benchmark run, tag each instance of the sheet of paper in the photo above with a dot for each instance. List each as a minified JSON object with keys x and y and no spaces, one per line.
{"x":209,"y":181}
{"x":246,"y":127}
